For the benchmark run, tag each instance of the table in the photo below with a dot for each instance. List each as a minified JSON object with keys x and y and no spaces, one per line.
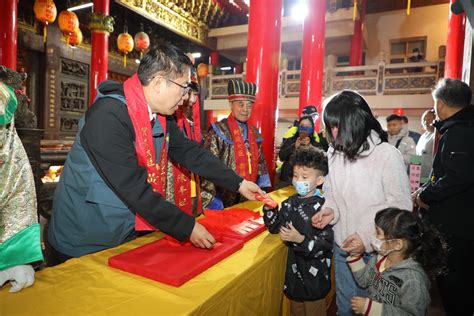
{"x":249,"y":282}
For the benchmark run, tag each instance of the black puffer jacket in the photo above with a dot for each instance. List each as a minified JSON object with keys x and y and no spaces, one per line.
{"x":451,"y":189}
{"x":309,"y":263}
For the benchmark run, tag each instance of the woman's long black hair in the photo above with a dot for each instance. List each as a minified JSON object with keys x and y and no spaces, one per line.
{"x":425,"y":244}
{"x":350,"y":113}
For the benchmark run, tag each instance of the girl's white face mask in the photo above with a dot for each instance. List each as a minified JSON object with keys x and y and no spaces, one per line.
{"x":377,"y":244}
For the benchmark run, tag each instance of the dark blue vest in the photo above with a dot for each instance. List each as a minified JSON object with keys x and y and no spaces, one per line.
{"x":87,"y":215}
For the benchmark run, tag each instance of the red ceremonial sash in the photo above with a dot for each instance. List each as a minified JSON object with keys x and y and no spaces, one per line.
{"x":144,"y":145}
{"x":246,"y":162}
{"x":197,"y":121}
{"x":186,"y":184}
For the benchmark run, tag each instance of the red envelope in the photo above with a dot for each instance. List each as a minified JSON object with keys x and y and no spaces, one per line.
{"x":235,"y":223}
{"x":174,"y":265}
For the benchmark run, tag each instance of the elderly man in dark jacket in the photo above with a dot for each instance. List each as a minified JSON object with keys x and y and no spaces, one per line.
{"x":447,"y":198}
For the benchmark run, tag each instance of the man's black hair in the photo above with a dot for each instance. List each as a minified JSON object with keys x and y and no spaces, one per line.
{"x":453,"y":92}
{"x":163,"y":59}
{"x":394,"y":117}
{"x":310,"y":157}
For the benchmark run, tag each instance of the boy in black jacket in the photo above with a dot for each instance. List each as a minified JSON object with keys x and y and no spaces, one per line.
{"x":307,"y":279}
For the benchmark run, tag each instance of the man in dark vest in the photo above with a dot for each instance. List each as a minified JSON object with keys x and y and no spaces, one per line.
{"x":114,"y":178}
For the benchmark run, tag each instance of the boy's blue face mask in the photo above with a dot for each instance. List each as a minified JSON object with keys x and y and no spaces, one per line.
{"x":303,"y":188}
{"x":305,"y":129}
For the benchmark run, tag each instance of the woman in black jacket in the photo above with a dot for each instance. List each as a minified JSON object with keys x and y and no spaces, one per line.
{"x":304,"y":135}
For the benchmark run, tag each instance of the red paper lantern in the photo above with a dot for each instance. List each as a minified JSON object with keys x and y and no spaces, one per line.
{"x":75,"y":38}
{"x":202,"y":70}
{"x":68,"y":22}
{"x":125,"y":45}
{"x":142,"y":42}
{"x":45,"y":12}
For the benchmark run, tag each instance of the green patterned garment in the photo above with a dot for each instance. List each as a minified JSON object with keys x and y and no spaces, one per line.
{"x":19,"y":228}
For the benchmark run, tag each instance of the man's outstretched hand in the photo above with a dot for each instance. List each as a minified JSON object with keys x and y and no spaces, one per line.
{"x":249,"y":189}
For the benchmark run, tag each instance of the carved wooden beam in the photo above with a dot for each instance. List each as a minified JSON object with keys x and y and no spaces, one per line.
{"x":175,"y":16}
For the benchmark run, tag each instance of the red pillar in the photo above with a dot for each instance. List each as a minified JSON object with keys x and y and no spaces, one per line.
{"x":312,"y":61}
{"x":263,"y":58}
{"x":210,"y":118}
{"x":214,"y":58}
{"x":8,"y":33}
{"x":100,"y":45}
{"x":214,"y":62}
{"x":357,"y":43}
{"x":455,"y":45}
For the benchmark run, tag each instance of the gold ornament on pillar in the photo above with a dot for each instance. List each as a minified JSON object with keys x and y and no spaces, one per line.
{"x":142,"y":42}
{"x":408,"y":7}
{"x":125,"y":45}
{"x":68,"y":24}
{"x":45,"y":12}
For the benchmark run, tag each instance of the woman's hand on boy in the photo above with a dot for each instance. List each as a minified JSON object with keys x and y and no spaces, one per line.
{"x":358,"y":304}
{"x":291,"y":234}
{"x":322,"y":218}
{"x":353,"y":245}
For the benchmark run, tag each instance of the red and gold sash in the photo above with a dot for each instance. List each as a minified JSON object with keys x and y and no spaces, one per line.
{"x":197,"y":121}
{"x":186,"y":183}
{"x":246,"y":162}
{"x":144,"y":145}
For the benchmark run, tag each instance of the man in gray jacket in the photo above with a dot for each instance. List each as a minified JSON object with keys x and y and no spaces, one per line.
{"x":398,"y":137}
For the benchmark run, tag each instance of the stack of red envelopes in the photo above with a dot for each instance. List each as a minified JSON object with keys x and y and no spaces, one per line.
{"x":174,"y":263}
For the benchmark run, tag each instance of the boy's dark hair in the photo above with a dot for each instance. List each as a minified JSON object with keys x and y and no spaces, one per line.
{"x":453,"y":92}
{"x":163,"y":59}
{"x":404,"y":119}
{"x":350,"y":113}
{"x":425,"y":244}
{"x":394,"y":117}
{"x":310,"y":157}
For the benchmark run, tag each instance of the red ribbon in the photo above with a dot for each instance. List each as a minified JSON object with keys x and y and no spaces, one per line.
{"x":245,"y":168}
{"x":144,"y":145}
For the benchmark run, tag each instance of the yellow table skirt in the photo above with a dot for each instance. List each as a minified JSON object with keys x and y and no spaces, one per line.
{"x":249,"y":282}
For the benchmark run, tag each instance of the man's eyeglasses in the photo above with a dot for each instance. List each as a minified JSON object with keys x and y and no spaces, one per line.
{"x":185,"y":89}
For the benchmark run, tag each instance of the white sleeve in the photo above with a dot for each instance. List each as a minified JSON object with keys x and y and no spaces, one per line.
{"x":396,"y":189}
{"x":330,"y":202}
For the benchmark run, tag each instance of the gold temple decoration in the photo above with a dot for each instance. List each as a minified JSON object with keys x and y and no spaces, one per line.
{"x":101,"y":23}
{"x":189,"y":18}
